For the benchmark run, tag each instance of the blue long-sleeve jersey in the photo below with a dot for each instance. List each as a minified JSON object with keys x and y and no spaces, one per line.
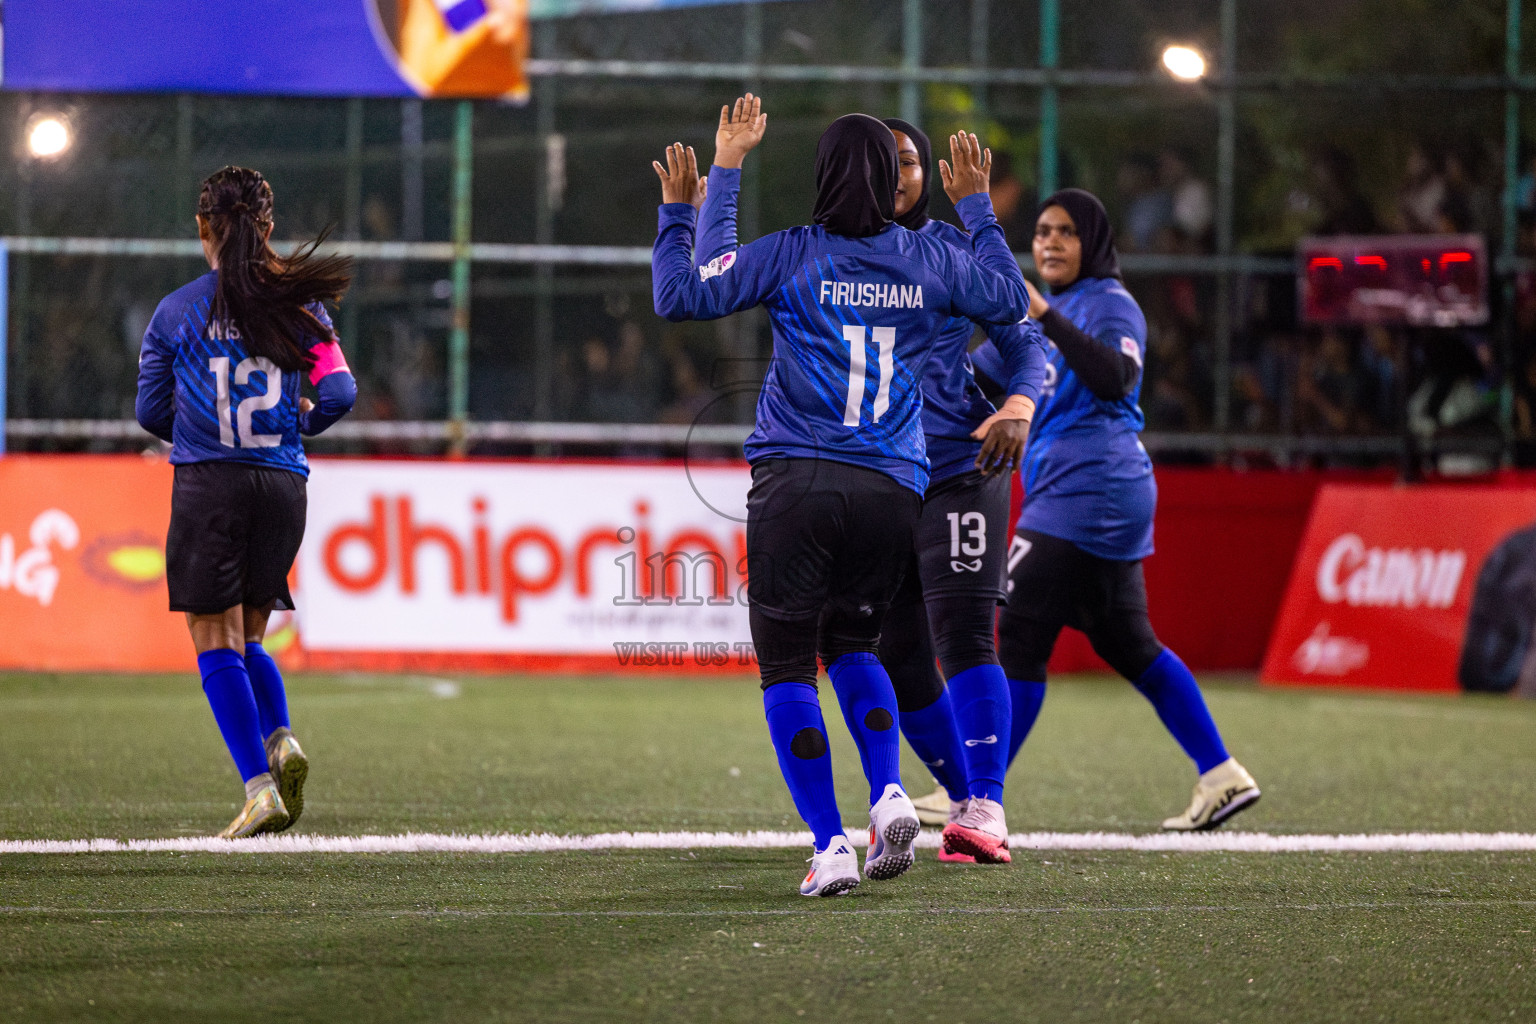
{"x":953,"y":404}
{"x":201,"y":390}
{"x":854,"y":321}
{"x":1087,"y":477}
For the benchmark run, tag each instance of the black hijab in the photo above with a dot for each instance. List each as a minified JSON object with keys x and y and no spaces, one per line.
{"x":917,"y":216}
{"x":1098,"y":238}
{"x":856,"y":177}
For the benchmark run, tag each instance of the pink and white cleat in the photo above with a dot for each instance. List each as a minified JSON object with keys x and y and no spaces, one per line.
{"x":946,"y":855}
{"x":981,"y":831}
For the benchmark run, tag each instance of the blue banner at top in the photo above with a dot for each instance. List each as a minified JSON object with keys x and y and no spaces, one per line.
{"x":474,"y":48}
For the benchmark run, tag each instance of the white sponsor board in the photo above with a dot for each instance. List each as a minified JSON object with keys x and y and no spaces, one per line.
{"x":525,"y":557}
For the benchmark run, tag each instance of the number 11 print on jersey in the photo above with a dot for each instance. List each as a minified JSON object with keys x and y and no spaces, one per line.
{"x":856,"y":335}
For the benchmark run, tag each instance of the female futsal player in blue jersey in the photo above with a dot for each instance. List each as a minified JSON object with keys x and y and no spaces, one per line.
{"x":947,"y":606}
{"x":956,"y":572}
{"x":838,"y":458}
{"x":219,"y":377}
{"x":1089,"y":500}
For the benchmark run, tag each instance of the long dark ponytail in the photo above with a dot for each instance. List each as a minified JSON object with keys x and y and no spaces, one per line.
{"x":264,"y":295}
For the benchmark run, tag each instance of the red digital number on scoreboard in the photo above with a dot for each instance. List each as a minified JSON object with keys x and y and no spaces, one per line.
{"x":1417,"y":280}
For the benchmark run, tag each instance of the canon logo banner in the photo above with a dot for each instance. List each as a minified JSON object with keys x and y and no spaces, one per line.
{"x":1382,"y":588}
{"x":1357,"y":575}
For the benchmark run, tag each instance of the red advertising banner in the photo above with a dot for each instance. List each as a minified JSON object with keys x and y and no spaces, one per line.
{"x":1382,"y":589}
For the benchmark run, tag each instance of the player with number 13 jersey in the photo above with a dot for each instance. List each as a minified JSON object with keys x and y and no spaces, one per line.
{"x":219,"y":377}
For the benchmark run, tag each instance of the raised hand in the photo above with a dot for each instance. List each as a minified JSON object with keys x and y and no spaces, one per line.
{"x":680,"y":178}
{"x":741,"y":129}
{"x":969,"y":170}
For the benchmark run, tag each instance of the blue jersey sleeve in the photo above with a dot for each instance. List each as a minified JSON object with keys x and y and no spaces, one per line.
{"x":335,"y":387}
{"x":987,"y":288}
{"x":742,"y":279}
{"x":988,"y":360}
{"x":716,"y":233}
{"x":155,"y":405}
{"x":338,"y":393}
{"x":1016,"y":355}
{"x":1115,"y":319}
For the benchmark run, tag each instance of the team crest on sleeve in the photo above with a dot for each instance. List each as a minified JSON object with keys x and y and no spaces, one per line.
{"x":1128,"y":346}
{"x":717,"y":266}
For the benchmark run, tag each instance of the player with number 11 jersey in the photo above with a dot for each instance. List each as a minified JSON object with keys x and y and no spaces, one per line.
{"x":839,"y":460}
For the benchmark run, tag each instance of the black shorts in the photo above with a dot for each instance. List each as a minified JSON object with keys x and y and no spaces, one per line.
{"x":962,"y":536}
{"x":235,"y":530}
{"x":827,"y":545}
{"x":1054,"y":583}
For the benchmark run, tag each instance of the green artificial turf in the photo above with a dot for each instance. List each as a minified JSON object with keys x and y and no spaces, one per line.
{"x":721,"y":934}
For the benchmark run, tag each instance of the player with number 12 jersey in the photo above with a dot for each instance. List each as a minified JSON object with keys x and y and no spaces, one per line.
{"x":219,"y":377}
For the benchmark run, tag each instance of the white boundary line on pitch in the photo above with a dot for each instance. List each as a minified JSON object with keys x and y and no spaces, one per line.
{"x":1431,"y":903}
{"x":424,"y":842}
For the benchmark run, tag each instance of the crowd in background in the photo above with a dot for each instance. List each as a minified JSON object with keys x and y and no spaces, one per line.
{"x":1288,"y":377}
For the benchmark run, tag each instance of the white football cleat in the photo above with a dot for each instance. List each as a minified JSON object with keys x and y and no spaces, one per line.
{"x":981,"y":831}
{"x":1220,"y":793}
{"x":893,"y":825}
{"x":834,"y":870}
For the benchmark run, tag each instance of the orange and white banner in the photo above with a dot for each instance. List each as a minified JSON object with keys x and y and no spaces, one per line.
{"x":82,"y":565}
{"x":1384,"y":585}
{"x":525,"y":564}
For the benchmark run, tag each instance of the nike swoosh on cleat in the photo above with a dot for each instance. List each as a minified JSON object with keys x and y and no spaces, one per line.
{"x":977,"y":743}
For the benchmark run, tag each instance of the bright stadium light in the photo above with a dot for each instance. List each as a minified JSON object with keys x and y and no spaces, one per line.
{"x":48,"y":136}
{"x":1185,"y":63}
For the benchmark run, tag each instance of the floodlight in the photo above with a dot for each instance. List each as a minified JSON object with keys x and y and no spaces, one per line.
{"x":48,"y":136}
{"x":1185,"y":63}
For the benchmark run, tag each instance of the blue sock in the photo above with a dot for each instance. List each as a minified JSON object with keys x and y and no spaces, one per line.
{"x":936,"y":739}
{"x":1168,"y":684}
{"x":800,"y":739}
{"x":234,"y":708}
{"x":1027,"y":698}
{"x":267,"y":686}
{"x":983,"y":713}
{"x":869,"y":707}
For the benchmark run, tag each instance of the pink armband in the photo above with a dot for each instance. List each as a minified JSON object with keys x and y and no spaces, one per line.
{"x":328,"y":360}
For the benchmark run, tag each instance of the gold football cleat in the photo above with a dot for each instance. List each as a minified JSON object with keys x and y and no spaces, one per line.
{"x":290,"y":768}
{"x":934,"y":808}
{"x":1220,"y":793}
{"x":263,"y":812}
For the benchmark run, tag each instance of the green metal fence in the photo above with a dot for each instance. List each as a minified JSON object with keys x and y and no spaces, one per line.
{"x":497,"y":243}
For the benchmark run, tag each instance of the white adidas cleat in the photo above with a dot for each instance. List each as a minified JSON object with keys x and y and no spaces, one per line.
{"x":935,"y":809}
{"x":1220,"y":793}
{"x":834,"y":870}
{"x":893,"y":825}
